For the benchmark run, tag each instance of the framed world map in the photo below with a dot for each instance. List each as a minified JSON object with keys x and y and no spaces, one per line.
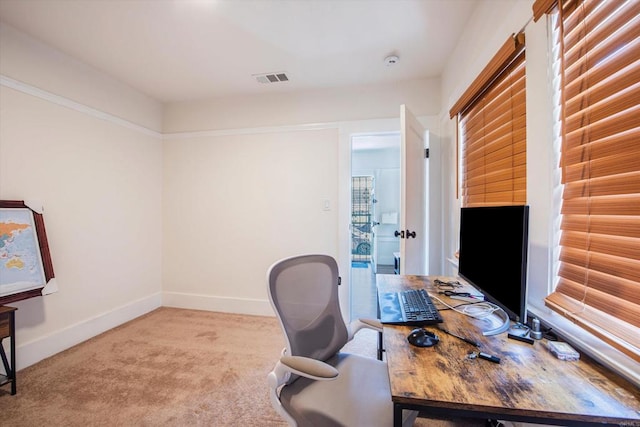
{"x":25,"y":261}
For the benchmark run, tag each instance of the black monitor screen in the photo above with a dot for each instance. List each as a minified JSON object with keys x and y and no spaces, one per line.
{"x":493,"y":254}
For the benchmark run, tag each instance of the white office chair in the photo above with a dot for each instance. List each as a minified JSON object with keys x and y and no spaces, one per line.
{"x":313,"y":383}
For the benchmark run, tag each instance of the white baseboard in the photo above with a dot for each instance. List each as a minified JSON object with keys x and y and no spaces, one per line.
{"x":215,"y":303}
{"x":32,"y":352}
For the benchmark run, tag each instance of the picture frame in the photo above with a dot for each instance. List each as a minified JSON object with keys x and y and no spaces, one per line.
{"x":25,"y":261}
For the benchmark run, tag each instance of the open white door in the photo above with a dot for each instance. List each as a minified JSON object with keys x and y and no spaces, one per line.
{"x":412,"y":195}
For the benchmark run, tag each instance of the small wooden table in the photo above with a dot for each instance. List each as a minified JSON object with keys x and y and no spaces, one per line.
{"x":8,"y":330}
{"x":530,"y":384}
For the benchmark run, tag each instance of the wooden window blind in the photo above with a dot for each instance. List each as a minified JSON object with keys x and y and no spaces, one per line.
{"x":599,"y":272}
{"x":540,"y":7}
{"x":492,"y":125}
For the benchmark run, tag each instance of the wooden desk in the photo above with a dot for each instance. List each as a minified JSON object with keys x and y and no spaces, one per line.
{"x":8,"y":330}
{"x":530,"y":384}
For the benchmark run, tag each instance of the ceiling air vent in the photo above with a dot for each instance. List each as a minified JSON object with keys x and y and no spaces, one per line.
{"x":271,"y":77}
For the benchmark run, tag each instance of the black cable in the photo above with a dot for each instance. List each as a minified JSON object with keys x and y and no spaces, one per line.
{"x":551,"y":336}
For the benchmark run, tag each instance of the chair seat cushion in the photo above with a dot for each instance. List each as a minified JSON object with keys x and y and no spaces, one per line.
{"x":359,"y":396}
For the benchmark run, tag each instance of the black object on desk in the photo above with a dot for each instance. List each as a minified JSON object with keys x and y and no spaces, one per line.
{"x":467,"y":340}
{"x":422,"y":338}
{"x":521,"y":338}
{"x":489,"y":357}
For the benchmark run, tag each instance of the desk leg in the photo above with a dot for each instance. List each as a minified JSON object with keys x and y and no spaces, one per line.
{"x":397,"y":415}
{"x":12,"y":328}
{"x":10,"y":369}
{"x":380,"y":349}
{"x":5,"y":362}
{"x":7,"y":368}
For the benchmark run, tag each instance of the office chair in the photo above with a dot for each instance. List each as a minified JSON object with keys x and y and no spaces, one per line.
{"x":313,"y":383}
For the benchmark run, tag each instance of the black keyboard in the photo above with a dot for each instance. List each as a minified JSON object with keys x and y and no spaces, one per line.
{"x":409,"y":307}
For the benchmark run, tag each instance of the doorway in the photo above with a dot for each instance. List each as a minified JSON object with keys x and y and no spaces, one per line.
{"x":375,"y":209}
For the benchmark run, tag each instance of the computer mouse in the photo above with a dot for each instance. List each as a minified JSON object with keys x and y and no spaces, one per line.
{"x":422,"y":338}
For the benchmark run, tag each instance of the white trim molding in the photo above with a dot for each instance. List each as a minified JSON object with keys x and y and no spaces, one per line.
{"x":587,"y":343}
{"x":32,"y":352}
{"x":69,"y":103}
{"x":191,"y":301}
{"x":90,"y":111}
{"x":253,"y":131}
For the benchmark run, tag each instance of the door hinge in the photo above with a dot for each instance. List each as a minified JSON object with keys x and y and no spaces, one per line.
{"x":426,"y":153}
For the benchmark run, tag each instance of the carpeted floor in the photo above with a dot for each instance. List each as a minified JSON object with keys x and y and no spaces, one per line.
{"x":171,"y":367}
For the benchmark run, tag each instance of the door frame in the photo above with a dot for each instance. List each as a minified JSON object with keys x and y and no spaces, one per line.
{"x":345,"y":131}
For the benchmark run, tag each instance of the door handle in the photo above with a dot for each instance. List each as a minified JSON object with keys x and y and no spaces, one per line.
{"x":399,"y":233}
{"x":411,"y":234}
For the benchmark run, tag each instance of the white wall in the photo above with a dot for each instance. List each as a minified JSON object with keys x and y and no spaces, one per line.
{"x":99,"y":178}
{"x":28,"y":60}
{"x":221,"y":130}
{"x":314,"y":106}
{"x":484,"y":35}
{"x":208,"y":210}
{"x":492,"y":23}
{"x":482,"y":39}
{"x":235,"y":204}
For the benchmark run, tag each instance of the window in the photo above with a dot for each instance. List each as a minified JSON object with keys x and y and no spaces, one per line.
{"x":492,"y":124}
{"x":598,"y":52}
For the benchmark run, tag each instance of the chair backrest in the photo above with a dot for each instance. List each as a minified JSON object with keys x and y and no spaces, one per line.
{"x":303,"y":291}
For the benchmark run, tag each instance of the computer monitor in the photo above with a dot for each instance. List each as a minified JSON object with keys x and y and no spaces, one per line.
{"x":493,"y":255}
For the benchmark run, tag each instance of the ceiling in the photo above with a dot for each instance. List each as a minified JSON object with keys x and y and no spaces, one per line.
{"x":177,"y":50}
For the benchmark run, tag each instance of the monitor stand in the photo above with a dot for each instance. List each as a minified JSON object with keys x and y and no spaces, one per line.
{"x":499,"y":322}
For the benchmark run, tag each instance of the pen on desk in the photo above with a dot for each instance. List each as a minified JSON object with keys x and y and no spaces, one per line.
{"x":467,"y":340}
{"x":489,"y":357}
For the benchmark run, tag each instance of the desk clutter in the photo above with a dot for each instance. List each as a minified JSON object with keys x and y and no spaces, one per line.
{"x":563,"y":351}
{"x":512,"y":376}
{"x":415,"y":307}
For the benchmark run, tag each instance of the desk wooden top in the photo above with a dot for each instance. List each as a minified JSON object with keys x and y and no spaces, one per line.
{"x":530,"y":382}
{"x":4,"y":321}
{"x":6,"y":309}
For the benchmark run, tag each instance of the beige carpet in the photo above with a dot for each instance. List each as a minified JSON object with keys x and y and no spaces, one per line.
{"x":171,"y":367}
